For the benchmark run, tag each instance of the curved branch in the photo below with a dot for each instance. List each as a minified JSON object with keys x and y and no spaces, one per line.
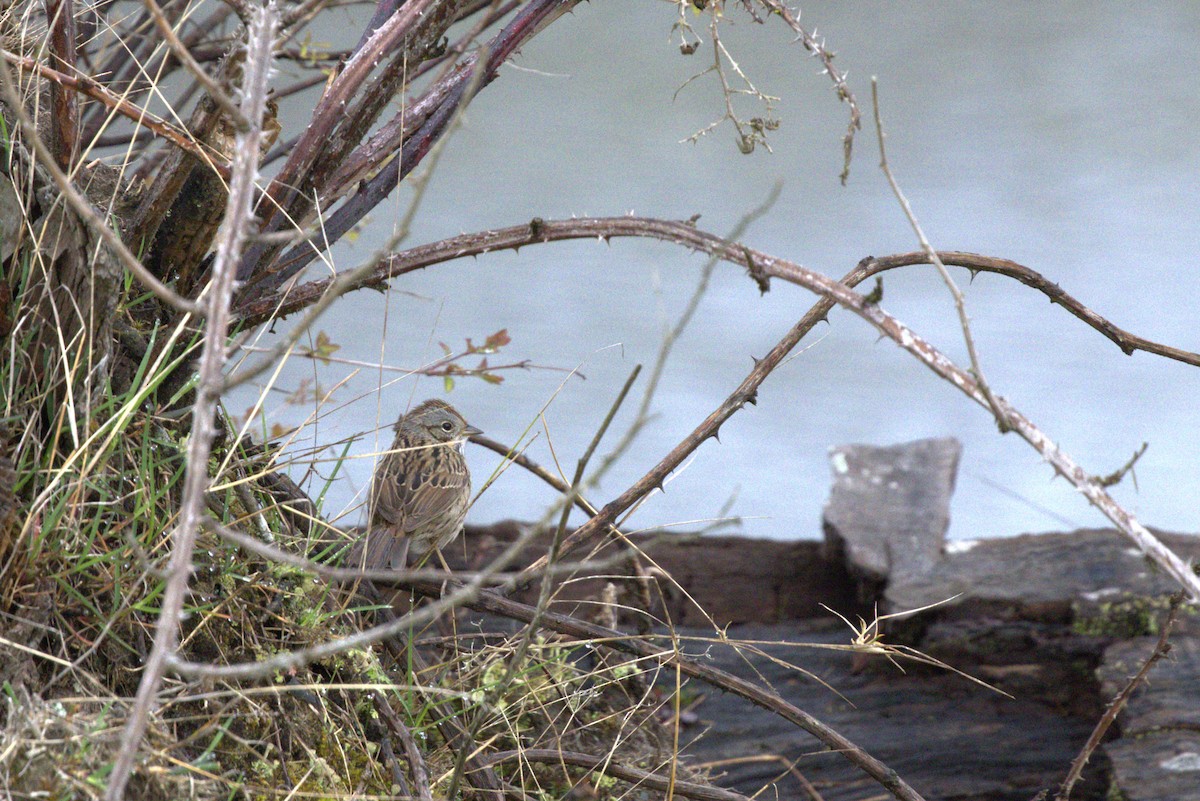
{"x":1127,"y":342}
{"x":762,"y":267}
{"x":604,"y":228}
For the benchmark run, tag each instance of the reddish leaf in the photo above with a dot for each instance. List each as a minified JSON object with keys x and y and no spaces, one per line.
{"x":497,"y":340}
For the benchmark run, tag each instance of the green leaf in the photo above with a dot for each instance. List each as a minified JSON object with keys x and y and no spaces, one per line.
{"x":325,"y":348}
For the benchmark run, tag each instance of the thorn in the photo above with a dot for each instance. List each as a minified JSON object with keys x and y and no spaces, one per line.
{"x":756,"y":272}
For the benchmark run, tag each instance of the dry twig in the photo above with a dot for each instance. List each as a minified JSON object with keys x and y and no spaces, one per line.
{"x":260,"y":40}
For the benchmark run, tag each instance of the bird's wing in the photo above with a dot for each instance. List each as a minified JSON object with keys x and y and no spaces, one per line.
{"x":408,"y":494}
{"x":431,"y":493}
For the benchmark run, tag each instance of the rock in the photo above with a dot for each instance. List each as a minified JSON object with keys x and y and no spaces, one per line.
{"x":1047,"y":575}
{"x":889,"y":508}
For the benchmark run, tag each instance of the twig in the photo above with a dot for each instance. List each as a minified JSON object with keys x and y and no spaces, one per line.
{"x":416,"y":763}
{"x":83,"y":207}
{"x":513,"y":664}
{"x":260,"y":39}
{"x":817,"y":47}
{"x":959,"y":303}
{"x":181,"y":52}
{"x":603,"y":764}
{"x":1161,"y":649}
{"x":86,"y":86}
{"x":1114,"y":478}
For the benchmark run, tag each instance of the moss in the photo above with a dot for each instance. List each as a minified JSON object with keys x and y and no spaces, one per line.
{"x":1122,"y":617}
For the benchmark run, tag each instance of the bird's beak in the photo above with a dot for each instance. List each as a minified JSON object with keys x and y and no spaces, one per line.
{"x":471,"y":431}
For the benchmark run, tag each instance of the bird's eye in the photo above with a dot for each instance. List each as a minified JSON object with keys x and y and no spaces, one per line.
{"x":447,"y":426}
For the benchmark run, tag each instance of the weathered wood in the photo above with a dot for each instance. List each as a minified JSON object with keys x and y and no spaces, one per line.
{"x":733,"y":579}
{"x":948,"y":738}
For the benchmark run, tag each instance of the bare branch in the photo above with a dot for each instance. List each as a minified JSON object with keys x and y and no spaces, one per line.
{"x":817,"y":47}
{"x":960,"y":304}
{"x":86,"y":86}
{"x":260,"y":39}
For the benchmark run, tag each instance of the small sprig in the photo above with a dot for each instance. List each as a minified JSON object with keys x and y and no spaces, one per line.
{"x":868,"y":639}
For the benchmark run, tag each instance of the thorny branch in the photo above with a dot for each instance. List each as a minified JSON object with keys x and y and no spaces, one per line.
{"x":816,"y":46}
{"x":766,"y":266}
{"x":261,"y":38}
{"x":686,"y":234}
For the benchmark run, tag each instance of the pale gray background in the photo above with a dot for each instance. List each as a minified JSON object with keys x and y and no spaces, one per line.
{"x":1062,"y":136}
